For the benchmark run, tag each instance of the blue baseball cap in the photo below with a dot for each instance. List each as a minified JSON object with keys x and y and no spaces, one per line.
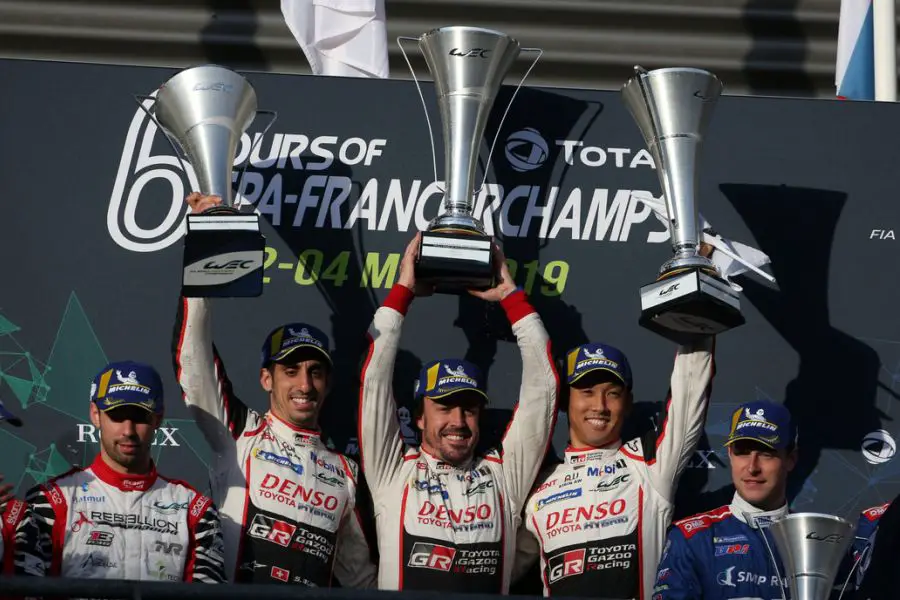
{"x":294,"y":336}
{"x":764,"y":422}
{"x":587,"y":358}
{"x":440,"y":379}
{"x":6,"y":415}
{"x":127,"y":383}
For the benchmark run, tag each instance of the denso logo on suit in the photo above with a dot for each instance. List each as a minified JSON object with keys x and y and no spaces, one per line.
{"x":469,"y":518}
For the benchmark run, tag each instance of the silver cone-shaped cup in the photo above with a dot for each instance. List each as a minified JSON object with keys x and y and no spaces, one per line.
{"x":206,"y":110}
{"x":672,"y":107}
{"x":811,"y":547}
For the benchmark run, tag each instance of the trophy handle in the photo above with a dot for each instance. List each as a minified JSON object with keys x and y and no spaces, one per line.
{"x":856,"y":563}
{"x":762,"y":534}
{"x":140,"y":99}
{"x":487,"y":163}
{"x":400,"y":40}
{"x":273,"y":116}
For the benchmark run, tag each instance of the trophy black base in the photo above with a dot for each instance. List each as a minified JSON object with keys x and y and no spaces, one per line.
{"x":223,"y":256}
{"x":454,"y":262}
{"x":690,"y":306}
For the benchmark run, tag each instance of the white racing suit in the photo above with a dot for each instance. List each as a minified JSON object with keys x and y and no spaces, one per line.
{"x":599,"y":519}
{"x":442,"y":527}
{"x":287,"y":502}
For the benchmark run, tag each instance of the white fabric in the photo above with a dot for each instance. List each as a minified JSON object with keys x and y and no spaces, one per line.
{"x":728,"y":266}
{"x":346,"y":38}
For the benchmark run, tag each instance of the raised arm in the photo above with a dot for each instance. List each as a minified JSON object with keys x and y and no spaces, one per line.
{"x":219,"y":414}
{"x":207,"y":391}
{"x":380,"y":443}
{"x":667,"y":451}
{"x":528,"y":434}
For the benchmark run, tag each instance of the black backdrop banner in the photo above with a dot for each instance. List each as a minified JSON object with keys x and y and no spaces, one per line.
{"x":93,"y":218}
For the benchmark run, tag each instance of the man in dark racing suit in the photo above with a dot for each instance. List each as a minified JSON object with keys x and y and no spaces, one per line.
{"x":288,"y":502}
{"x":446,"y":517}
{"x":723,"y":554}
{"x":598,"y":520}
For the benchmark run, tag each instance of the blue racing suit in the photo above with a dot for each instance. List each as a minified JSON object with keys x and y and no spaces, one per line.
{"x":721,"y":555}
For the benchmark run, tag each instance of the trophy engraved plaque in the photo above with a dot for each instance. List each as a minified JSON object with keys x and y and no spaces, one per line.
{"x":672,"y":108}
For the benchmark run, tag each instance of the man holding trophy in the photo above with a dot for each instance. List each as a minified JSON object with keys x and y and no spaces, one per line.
{"x":446,"y":517}
{"x":288,"y":503}
{"x":599,"y":519}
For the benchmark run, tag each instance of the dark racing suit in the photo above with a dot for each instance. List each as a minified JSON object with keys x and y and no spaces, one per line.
{"x":599,"y":519}
{"x":288,"y":502}
{"x":721,"y":555}
{"x":96,"y":523}
{"x":15,"y":555}
{"x":442,"y":527}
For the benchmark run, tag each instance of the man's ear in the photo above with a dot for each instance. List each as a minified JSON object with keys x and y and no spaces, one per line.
{"x":265,"y":379}
{"x":94,"y":413}
{"x":791,"y":460}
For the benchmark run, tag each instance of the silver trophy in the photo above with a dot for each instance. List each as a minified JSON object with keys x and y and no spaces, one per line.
{"x":468,"y":65}
{"x":672,"y":107}
{"x":206,"y":110}
{"x":811,"y":547}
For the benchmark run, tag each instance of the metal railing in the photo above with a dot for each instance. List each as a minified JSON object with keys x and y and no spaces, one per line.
{"x":52,"y":587}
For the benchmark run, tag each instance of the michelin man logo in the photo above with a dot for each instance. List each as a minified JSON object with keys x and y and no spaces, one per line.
{"x":130,"y":379}
{"x":304,"y":332}
{"x":758,"y":416}
{"x":591,"y":354}
{"x":457,"y":372}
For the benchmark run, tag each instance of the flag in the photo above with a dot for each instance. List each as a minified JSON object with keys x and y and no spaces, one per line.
{"x":347,"y":38}
{"x":855,"y":67}
{"x":732,"y":258}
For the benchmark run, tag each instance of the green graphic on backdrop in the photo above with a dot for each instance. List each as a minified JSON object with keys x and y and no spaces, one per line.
{"x":62,"y":385}
{"x":75,"y":358}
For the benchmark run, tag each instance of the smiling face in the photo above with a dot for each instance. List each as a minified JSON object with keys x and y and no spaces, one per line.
{"x":450,"y":427}
{"x":297,"y":387}
{"x":598,"y":406}
{"x":760,"y":473}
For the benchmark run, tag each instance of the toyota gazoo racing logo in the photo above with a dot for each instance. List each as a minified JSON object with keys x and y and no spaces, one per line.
{"x":565,"y":565}
{"x":431,"y":556}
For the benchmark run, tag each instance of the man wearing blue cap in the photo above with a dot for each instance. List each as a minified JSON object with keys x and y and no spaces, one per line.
{"x":446,"y":517}
{"x":288,"y":501}
{"x":598,"y":520}
{"x":724,"y":553}
{"x":118,"y":518}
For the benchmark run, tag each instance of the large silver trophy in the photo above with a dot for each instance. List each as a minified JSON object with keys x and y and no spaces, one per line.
{"x":811,"y":547}
{"x":672,"y":107}
{"x":468,"y":65}
{"x":206,"y":110}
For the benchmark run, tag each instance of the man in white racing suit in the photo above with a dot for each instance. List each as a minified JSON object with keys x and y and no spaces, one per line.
{"x":288,"y":502}
{"x":598,"y":520}
{"x":118,"y":518}
{"x":446,"y":518}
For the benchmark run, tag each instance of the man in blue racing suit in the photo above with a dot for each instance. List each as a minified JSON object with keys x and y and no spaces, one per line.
{"x":724,"y":554}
